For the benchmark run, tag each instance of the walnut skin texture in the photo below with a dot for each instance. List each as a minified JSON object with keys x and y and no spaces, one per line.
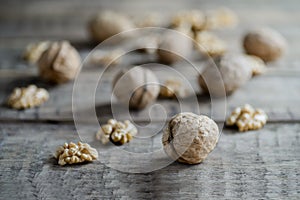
{"x":59,"y":63}
{"x":189,"y":138}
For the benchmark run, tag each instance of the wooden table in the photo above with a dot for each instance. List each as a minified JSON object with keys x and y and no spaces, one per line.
{"x":261,"y":164}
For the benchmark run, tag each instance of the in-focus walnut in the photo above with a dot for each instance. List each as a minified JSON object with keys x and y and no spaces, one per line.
{"x":34,"y":51}
{"x":174,"y":47}
{"x":210,"y":44}
{"x":247,"y":118}
{"x":59,"y":63}
{"x":220,"y":18}
{"x":107,"y":24}
{"x":173,"y":88}
{"x":265,"y":43}
{"x":111,"y":58}
{"x":117,"y":132}
{"x":229,"y":72}
{"x":27,"y":97}
{"x":136,"y":87}
{"x":258,"y":66}
{"x":75,"y":153}
{"x":189,"y":138}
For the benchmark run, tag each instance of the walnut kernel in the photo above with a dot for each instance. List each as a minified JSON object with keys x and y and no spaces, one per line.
{"x":34,"y":51}
{"x":173,"y":88}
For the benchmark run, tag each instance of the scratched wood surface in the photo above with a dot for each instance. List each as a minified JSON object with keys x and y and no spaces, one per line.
{"x":254,"y":165}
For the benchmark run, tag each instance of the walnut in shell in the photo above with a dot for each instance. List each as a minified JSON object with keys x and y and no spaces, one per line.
{"x":189,"y":138}
{"x":265,"y":43}
{"x":27,"y":97}
{"x":59,"y":63}
{"x":136,"y":87}
{"x":107,"y":24}
{"x":231,"y":71}
{"x":34,"y":51}
{"x":75,"y":153}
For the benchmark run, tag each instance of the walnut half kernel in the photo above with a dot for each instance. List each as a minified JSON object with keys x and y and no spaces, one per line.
{"x":75,"y":153}
{"x":117,"y":132}
{"x":247,"y":118}
{"x":27,"y":97}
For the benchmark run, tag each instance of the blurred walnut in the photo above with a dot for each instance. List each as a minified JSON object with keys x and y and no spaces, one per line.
{"x":59,"y":63}
{"x":210,"y":44}
{"x":27,"y":97}
{"x":34,"y":51}
{"x":247,"y":118}
{"x":258,"y":66}
{"x":189,"y":138}
{"x":117,"y":132}
{"x":75,"y":153}
{"x":108,"y":23}
{"x":107,"y":58}
{"x":220,"y":18}
{"x":149,"y":20}
{"x":173,"y":89}
{"x":136,"y":87}
{"x":227,"y":74}
{"x":194,"y":19}
{"x":265,"y":43}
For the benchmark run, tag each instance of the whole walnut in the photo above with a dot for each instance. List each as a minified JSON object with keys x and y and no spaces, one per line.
{"x":136,"y":87}
{"x":59,"y":63}
{"x":230,"y":70}
{"x":174,"y":47}
{"x":265,"y":43}
{"x":107,"y":24}
{"x":189,"y":138}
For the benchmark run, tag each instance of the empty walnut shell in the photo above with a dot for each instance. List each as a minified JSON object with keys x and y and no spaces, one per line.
{"x":174,"y":47}
{"x":59,"y":63}
{"x":137,"y":87}
{"x":231,"y":72}
{"x":107,"y":24}
{"x":265,"y":43}
{"x":189,"y":138}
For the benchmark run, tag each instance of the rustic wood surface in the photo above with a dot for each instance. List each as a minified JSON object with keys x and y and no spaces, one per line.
{"x":260,"y":164}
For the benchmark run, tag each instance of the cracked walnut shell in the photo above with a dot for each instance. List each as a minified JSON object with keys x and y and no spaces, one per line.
{"x":189,"y":138}
{"x":27,"y":97}
{"x":75,"y":153}
{"x":59,"y":63}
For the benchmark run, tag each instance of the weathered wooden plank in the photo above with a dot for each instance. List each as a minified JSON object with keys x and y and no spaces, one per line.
{"x":260,"y":164}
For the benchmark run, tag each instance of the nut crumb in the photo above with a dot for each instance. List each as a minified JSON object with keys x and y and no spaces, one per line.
{"x":173,"y":89}
{"x":27,"y":97}
{"x":75,"y":153}
{"x":247,"y":118}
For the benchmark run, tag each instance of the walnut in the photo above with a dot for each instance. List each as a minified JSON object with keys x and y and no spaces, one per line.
{"x":111,"y":58}
{"x":265,"y":43}
{"x":258,"y":66}
{"x":210,"y":44}
{"x":75,"y":153}
{"x":247,"y":118}
{"x":27,"y":97}
{"x":34,"y":51}
{"x":220,"y":18}
{"x":174,"y":47}
{"x":173,"y":88}
{"x":235,"y":71}
{"x":147,"y":44}
{"x":149,"y":20}
{"x":117,"y":132}
{"x":59,"y":63}
{"x":136,"y":87}
{"x":194,"y":19}
{"x":107,"y":24}
{"x":189,"y":138}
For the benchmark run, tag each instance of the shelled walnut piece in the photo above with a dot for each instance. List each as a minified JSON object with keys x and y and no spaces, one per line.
{"x":34,"y":51}
{"x":173,"y":88}
{"x":247,"y":118}
{"x":117,"y":132}
{"x":27,"y":97}
{"x":75,"y":153}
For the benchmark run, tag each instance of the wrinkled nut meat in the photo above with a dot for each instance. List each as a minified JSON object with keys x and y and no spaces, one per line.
{"x":230,"y":72}
{"x":173,"y":88}
{"x":75,"y":153}
{"x":136,"y":87}
{"x":59,"y":63}
{"x":107,"y":58}
{"x":117,"y":132}
{"x":265,"y":43}
{"x":189,"y":138}
{"x":247,"y":118}
{"x":210,"y":44}
{"x":27,"y":97}
{"x":34,"y":51}
{"x":107,"y":24}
